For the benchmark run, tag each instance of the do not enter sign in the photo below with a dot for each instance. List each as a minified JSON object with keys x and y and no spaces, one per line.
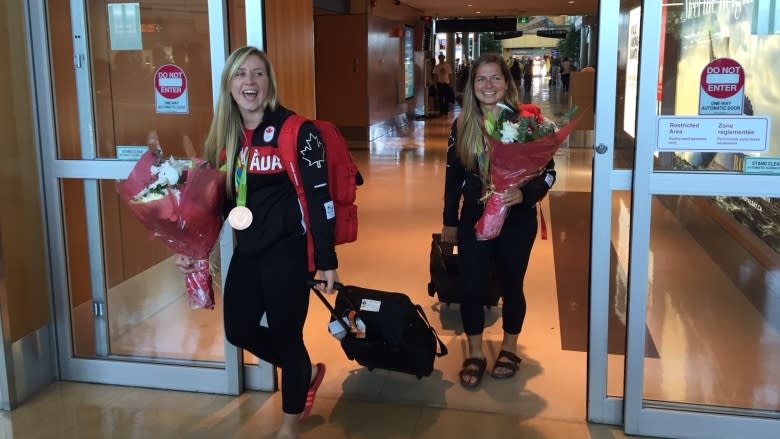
{"x":170,"y":89}
{"x":722,"y":87}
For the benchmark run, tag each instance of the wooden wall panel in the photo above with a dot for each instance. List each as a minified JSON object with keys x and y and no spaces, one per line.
{"x":385,"y":70}
{"x":341,"y":62}
{"x":290,"y":46}
{"x":24,"y":280}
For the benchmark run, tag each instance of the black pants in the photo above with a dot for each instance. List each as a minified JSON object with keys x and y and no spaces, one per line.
{"x":444,"y":96}
{"x":273,"y":283}
{"x":565,"y":80}
{"x":510,"y":251}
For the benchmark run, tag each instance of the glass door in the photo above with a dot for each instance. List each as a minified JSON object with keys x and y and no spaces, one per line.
{"x":704,"y":241}
{"x":122,"y":311}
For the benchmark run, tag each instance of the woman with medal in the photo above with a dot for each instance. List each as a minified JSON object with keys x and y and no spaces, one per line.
{"x":269,"y":267}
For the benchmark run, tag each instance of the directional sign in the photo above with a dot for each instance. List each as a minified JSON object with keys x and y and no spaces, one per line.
{"x":722,"y":87}
{"x":170,"y":90}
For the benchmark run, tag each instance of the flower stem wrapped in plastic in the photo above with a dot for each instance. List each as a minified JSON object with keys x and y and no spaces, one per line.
{"x":180,"y":203}
{"x":520,"y":144}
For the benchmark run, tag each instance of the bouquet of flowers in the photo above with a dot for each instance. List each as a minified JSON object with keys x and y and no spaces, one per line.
{"x":519,"y":145}
{"x":179,"y":202}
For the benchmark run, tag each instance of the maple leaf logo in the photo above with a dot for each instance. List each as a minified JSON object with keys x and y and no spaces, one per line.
{"x":313,"y":153}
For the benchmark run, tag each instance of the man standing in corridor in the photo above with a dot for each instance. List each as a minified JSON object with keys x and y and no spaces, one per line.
{"x":442,"y":73}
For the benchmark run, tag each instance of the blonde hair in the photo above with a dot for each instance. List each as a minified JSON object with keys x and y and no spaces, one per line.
{"x":226,"y":125}
{"x":471,"y":119}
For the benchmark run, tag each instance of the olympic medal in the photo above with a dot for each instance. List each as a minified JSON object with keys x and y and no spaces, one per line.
{"x":240,"y":217}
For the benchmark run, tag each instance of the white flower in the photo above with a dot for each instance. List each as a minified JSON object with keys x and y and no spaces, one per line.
{"x":168,"y":174}
{"x":510,"y":132}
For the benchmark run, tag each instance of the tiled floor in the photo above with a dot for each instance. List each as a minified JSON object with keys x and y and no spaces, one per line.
{"x":88,"y":411}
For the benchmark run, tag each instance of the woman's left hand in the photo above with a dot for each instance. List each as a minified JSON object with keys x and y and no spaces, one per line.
{"x":512,"y":195}
{"x":330,"y":277}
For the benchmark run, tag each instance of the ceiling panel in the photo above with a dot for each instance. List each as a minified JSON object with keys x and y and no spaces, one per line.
{"x":502,"y":8}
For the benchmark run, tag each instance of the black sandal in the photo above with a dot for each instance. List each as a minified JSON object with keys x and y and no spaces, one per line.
{"x":472,"y":368}
{"x":512,"y":365}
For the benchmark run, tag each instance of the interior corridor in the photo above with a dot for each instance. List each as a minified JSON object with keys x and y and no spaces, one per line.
{"x":697,"y":333}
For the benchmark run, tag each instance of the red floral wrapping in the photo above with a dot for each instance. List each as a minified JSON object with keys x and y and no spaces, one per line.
{"x":515,"y":164}
{"x":188,"y":224}
{"x":199,"y":291}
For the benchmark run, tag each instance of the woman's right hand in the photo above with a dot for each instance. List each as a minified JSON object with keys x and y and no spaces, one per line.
{"x":449,"y":234}
{"x":185,"y":264}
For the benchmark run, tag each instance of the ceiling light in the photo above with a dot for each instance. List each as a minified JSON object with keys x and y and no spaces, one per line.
{"x":477,"y":12}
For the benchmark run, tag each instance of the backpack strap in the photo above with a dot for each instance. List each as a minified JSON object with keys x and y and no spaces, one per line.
{"x":288,"y":154}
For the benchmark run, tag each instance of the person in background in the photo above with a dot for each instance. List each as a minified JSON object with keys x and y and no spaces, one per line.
{"x":516,"y":71}
{"x":566,"y":68}
{"x":555,"y":70}
{"x":443,"y":76}
{"x":269,"y":268}
{"x":489,"y":85}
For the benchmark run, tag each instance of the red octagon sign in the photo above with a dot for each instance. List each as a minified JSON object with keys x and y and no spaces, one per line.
{"x":170,"y":81}
{"x":722,"y":78}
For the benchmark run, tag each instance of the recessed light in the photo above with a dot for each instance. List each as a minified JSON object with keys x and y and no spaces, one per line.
{"x":477,"y":12}
{"x":469,"y":5}
{"x":571,"y":2}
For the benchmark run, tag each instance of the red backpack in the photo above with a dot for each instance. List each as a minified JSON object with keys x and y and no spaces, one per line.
{"x":343,"y":177}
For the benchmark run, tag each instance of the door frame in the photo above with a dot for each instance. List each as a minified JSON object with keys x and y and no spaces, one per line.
{"x":601,"y":407}
{"x":208,"y":377}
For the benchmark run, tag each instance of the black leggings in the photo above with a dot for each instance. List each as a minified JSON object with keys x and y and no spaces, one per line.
{"x":509,"y":252}
{"x":274,"y":283}
{"x":444,"y":97}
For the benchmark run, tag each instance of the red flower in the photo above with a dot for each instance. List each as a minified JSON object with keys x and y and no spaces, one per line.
{"x":531,"y":110}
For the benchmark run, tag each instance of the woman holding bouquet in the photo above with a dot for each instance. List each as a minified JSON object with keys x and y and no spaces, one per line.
{"x":490,"y":87}
{"x":269,"y":267}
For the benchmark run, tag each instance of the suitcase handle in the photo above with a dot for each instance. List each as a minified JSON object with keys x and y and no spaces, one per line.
{"x":341,"y":289}
{"x":442,"y":348}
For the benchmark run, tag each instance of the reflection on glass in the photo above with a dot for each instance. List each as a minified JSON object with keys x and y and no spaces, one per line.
{"x":126,"y":51}
{"x":618,"y":289}
{"x":713,"y":308}
{"x":147,"y":310}
{"x":627,"y":85}
{"x":694,"y":37}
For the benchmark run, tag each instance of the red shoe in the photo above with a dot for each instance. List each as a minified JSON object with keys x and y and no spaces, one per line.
{"x":312,"y":391}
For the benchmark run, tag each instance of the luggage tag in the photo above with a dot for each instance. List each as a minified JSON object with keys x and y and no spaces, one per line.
{"x":356,"y":325}
{"x":370,"y":305}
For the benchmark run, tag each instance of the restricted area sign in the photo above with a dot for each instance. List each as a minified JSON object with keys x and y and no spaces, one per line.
{"x":722,"y":87}
{"x":170,"y":90}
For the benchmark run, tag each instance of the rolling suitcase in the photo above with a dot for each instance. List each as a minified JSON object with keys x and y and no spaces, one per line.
{"x":445,"y":275}
{"x":394,"y":335}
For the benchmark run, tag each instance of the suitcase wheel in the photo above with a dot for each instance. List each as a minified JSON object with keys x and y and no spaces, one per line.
{"x":431,"y":289}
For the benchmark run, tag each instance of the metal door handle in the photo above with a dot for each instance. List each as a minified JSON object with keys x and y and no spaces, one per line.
{"x":600,"y":148}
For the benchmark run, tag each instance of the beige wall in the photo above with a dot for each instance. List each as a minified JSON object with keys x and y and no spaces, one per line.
{"x":24,"y":286}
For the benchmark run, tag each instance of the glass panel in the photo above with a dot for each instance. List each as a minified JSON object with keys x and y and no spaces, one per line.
{"x":129,"y":43}
{"x":146,"y":302}
{"x":133,"y":94}
{"x":618,"y":288}
{"x":64,"y":81}
{"x":627,"y":84}
{"x":714,"y":302}
{"x":695,"y":36}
